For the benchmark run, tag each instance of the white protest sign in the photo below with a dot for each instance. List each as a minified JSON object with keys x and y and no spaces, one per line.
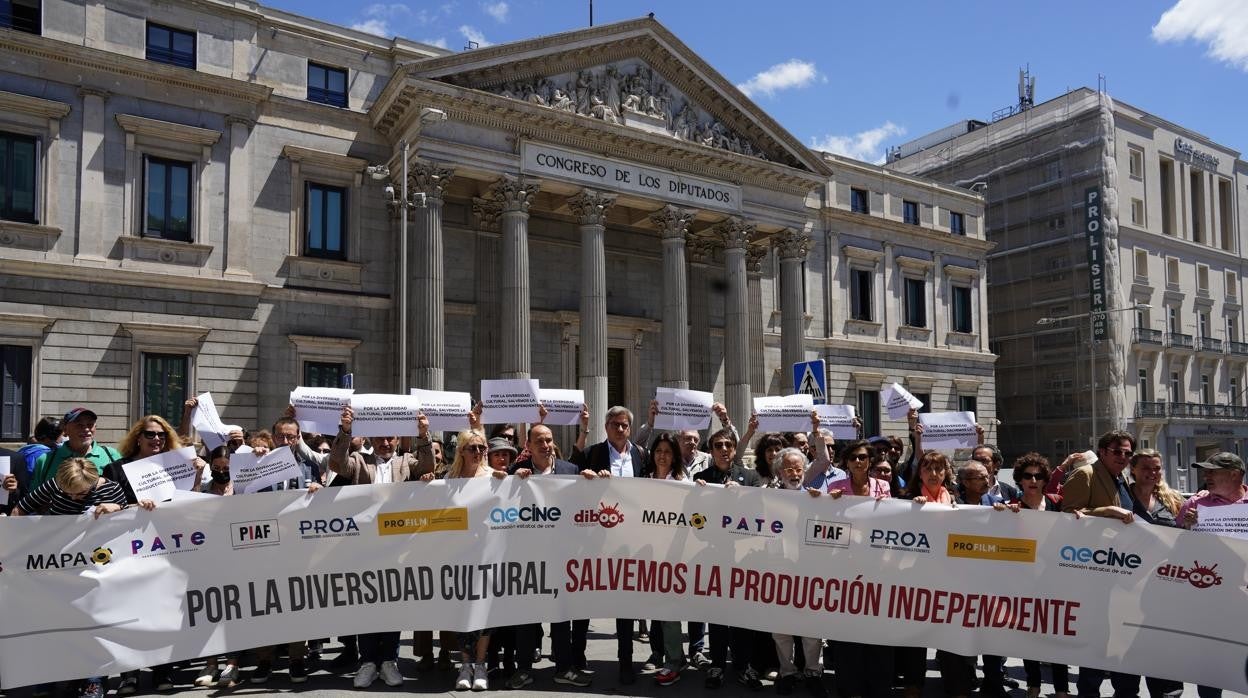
{"x":1228,"y":520}
{"x":5,"y":470}
{"x":250,"y":473}
{"x":157,"y":478}
{"x":446,"y":411}
{"x":207,"y":422}
{"x":319,"y":410}
{"x":784,"y":412}
{"x":385,"y":415}
{"x":838,"y":419}
{"x":948,"y":431}
{"x":898,"y":401}
{"x":563,"y":407}
{"x":509,"y":400}
{"x":682,"y":409}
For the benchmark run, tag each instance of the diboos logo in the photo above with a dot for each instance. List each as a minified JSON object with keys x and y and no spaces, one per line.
{"x":69,"y":560}
{"x":1198,"y":575}
{"x":1098,"y":560}
{"x":673,"y":518}
{"x":167,"y":544}
{"x":905,"y":541}
{"x":991,"y":548}
{"x":531,"y":516}
{"x":832,"y":534}
{"x":605,"y":516}
{"x":255,"y":534}
{"x":746,"y":526}
{"x":398,"y":523}
{"x":338,"y":527}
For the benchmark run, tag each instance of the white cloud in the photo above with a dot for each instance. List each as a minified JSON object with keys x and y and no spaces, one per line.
{"x":497,"y":10}
{"x":440,"y":42}
{"x":860,"y":146}
{"x":380,"y":18}
{"x":782,"y":76}
{"x":471,"y":33}
{"x":1220,"y":24}
{"x":380,"y":27}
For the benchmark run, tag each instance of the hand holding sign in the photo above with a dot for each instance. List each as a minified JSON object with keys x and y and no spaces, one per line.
{"x":784,"y":413}
{"x":948,"y":431}
{"x":682,"y":409}
{"x":509,"y":401}
{"x":898,"y":401}
{"x":318,"y":409}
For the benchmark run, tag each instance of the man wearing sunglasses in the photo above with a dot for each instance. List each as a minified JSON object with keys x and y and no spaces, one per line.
{"x":1099,"y":489}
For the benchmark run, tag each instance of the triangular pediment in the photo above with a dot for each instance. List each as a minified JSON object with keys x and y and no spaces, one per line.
{"x":633,"y":74}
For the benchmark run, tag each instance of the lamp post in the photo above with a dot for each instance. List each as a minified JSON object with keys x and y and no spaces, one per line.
{"x":1092,"y":318}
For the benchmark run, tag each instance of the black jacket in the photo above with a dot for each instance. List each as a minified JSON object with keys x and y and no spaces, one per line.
{"x":562,"y":467}
{"x":737,"y":473}
{"x":598,"y":457}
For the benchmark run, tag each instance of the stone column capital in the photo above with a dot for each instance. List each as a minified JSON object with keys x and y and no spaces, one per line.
{"x":792,"y":244}
{"x":428,"y":178}
{"x":754,"y":256}
{"x":672,"y":222}
{"x":699,"y":250}
{"x":486,"y":211}
{"x":734,"y":233}
{"x":514,"y":193}
{"x":591,"y":206}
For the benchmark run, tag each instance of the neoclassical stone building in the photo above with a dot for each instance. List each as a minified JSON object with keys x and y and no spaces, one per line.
{"x":196,"y":199}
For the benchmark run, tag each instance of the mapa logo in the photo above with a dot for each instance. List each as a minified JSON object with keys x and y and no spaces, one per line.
{"x":832,"y":534}
{"x":1198,"y":575}
{"x":166,"y":545}
{"x":605,"y":516}
{"x":69,"y":560}
{"x":673,"y":518}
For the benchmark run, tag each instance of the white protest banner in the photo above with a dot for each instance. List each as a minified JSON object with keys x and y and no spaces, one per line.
{"x":384,"y":415}
{"x":5,"y":470}
{"x":1228,"y":520}
{"x":207,"y":422}
{"x":319,"y":410}
{"x":446,"y":411}
{"x":158,"y":477}
{"x":682,"y":409}
{"x":250,"y":473}
{"x":89,"y":597}
{"x":784,"y":412}
{"x":509,"y":401}
{"x":563,"y":407}
{"x":898,"y":401}
{"x":839,"y":419}
{"x":948,"y":431}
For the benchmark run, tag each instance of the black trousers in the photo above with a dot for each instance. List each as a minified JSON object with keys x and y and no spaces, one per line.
{"x":725,"y":636}
{"x":567,"y":644}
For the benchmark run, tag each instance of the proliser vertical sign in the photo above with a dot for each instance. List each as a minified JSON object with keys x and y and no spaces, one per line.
{"x":1093,"y":221}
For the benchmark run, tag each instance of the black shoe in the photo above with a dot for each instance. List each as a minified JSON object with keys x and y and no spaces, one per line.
{"x":628,"y":676}
{"x":261,"y":673}
{"x":298,"y":671}
{"x":714,"y":677}
{"x":346,"y":663}
{"x":785,"y":684}
{"x":749,"y":679}
{"x":815,"y":687}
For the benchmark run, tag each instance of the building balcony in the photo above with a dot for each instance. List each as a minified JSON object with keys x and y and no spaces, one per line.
{"x":1209,"y":345}
{"x":1237,"y":348}
{"x":1196,"y":410}
{"x":1175,"y":340}
{"x":1150,"y":410}
{"x":1144,"y":338}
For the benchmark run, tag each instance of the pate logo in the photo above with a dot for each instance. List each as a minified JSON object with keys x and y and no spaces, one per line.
{"x":531,"y":516}
{"x":605,"y":516}
{"x":831,"y":534}
{"x":1098,"y":560}
{"x":69,"y":560}
{"x":338,"y":527}
{"x":167,"y":544}
{"x":679,"y":519}
{"x":255,"y":534}
{"x":991,"y":548}
{"x":905,"y":541}
{"x":752,"y":526}
{"x":1198,"y":575}
{"x":399,"y":523}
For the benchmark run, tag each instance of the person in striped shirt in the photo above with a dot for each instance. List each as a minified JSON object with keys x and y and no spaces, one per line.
{"x":76,"y":489}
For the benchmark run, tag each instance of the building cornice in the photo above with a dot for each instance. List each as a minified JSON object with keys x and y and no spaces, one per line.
{"x":167,"y":130}
{"x":333,"y":161}
{"x":130,"y":277}
{"x":34,"y":106}
{"x":949,"y":242}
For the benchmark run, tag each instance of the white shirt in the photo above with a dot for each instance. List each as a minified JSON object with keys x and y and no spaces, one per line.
{"x":383,"y":475}
{"x":621,"y":462}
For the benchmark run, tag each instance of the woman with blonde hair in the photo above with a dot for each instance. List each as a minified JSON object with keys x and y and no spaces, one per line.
{"x":150,"y":436}
{"x":1154,"y":501}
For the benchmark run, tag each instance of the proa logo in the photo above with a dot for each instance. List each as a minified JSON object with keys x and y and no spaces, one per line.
{"x":907,"y":541}
{"x":338,"y":527}
{"x":605,"y":516}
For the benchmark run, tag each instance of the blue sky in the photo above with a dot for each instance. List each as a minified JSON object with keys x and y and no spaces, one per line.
{"x":858,"y":77}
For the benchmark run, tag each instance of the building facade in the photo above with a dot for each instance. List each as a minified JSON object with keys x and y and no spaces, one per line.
{"x":209,"y":196}
{"x":1171,"y":364}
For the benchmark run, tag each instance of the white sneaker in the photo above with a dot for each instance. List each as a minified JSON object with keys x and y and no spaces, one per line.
{"x":390,"y":673}
{"x":366,"y":675}
{"x":480,"y":679}
{"x":466,"y":673}
{"x":207,"y":677}
{"x":228,"y":677}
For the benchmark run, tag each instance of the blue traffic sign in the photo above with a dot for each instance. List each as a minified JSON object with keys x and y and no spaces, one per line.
{"x":811,"y":377}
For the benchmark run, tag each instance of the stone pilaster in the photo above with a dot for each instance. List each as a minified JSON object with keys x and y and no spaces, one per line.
{"x":894,"y":298}
{"x":793,"y":247}
{"x":673,"y":225}
{"x":238,"y":174}
{"x":757,"y":373}
{"x":590,"y":208}
{"x":91,"y":190}
{"x":426,"y":295}
{"x":734,"y":234}
{"x":513,"y":194}
{"x":486,"y":213}
{"x":700,"y":252}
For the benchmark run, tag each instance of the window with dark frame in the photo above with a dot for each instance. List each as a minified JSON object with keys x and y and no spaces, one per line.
{"x":19,"y":167}
{"x":167,"y":199}
{"x":957,"y":224}
{"x":910,"y":212}
{"x":327,"y":85}
{"x":15,"y":375}
{"x":858,"y":201}
{"x":326,"y":227}
{"x":861,"y":294}
{"x":323,"y":374}
{"x":165,"y":382}
{"x":968,"y":403}
{"x":926,"y":399}
{"x":869,"y":411}
{"x":962,"y":317}
{"x":171,"y":46}
{"x":916,"y":302}
{"x":22,"y":15}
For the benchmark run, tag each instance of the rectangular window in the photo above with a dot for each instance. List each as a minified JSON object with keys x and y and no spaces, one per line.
{"x":15,"y":365}
{"x":22,"y":15}
{"x":1232,"y":284}
{"x":1202,"y":279}
{"x":1167,"y":196}
{"x":1176,"y":388}
{"x":910,"y":212}
{"x":1172,"y":320}
{"x":1052,"y":171}
{"x":1232,"y":328}
{"x":327,"y":85}
{"x":869,"y":411}
{"x":962,"y":318}
{"x":19,"y":164}
{"x":968,"y":403}
{"x":916,"y":302}
{"x":1135,"y":159}
{"x":861,"y":294}
{"x":1143,"y":386}
{"x":1137,"y":211}
{"x":322,"y":374}
{"x":169,"y":45}
{"x":168,"y":199}
{"x":858,"y":201}
{"x":1205,"y":397}
{"x":957,"y":223}
{"x":165,"y":378}
{"x":926,"y":399}
{"x":326,"y":218}
{"x":1202,"y":319}
{"x":1233,"y":387}
{"x":1172,"y":271}
{"x":1141,"y":264}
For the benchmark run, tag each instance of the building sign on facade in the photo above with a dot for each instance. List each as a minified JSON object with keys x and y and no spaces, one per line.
{"x":1199,"y":158}
{"x":1093,"y":221}
{"x":613,"y":175}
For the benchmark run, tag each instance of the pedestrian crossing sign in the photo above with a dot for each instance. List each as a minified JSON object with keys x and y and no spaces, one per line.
{"x":811,"y":378}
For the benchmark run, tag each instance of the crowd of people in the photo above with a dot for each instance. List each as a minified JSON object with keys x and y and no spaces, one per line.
{"x":64,"y":470}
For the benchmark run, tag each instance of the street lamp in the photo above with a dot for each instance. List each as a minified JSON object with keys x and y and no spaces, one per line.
{"x":1092,"y":318}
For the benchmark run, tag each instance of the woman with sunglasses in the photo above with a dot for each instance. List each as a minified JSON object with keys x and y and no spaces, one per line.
{"x":856,"y":459}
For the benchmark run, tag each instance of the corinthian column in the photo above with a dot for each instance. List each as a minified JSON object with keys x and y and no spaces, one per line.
{"x":754,"y":257}
{"x":734,"y":234}
{"x":485,"y":342}
{"x":426,"y":304}
{"x":793,"y":248}
{"x":513,"y":194}
{"x":700,"y":251}
{"x":673,"y":225}
{"x":590,"y":208}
